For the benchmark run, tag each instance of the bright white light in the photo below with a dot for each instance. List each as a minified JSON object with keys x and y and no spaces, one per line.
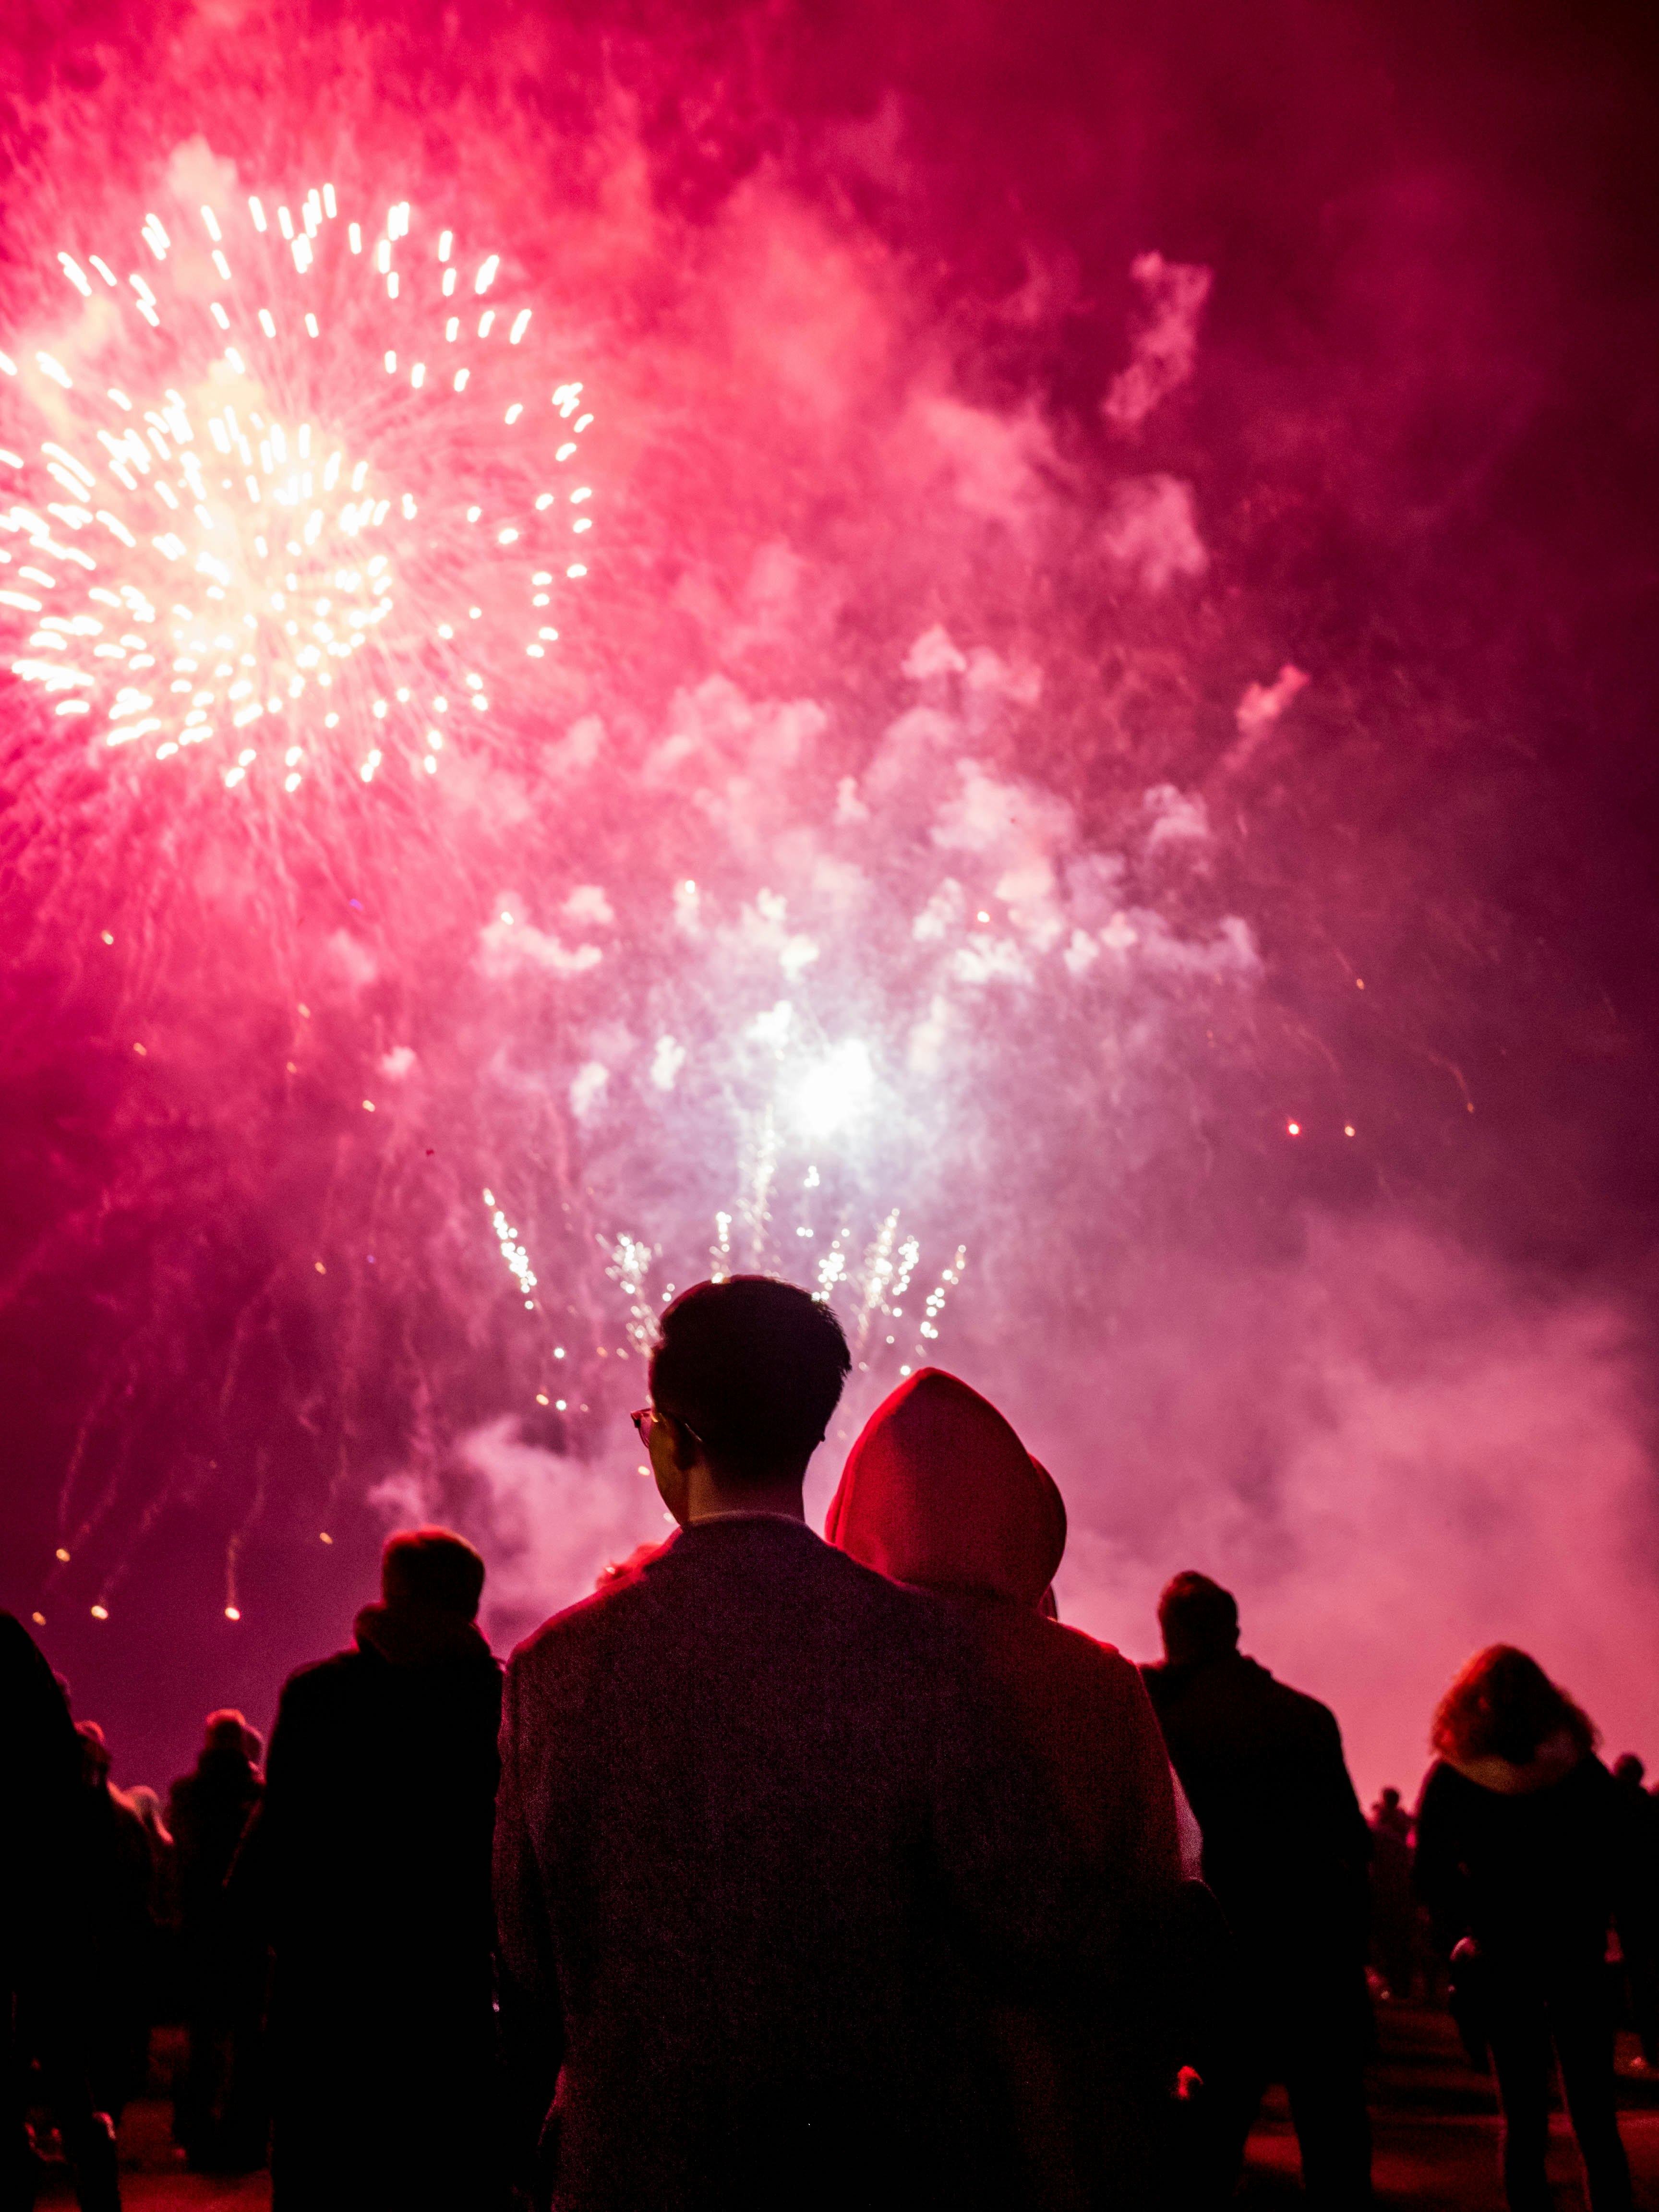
{"x":837,"y":1089}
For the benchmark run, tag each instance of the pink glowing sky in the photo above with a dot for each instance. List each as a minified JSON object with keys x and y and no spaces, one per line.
{"x":1122,"y":574}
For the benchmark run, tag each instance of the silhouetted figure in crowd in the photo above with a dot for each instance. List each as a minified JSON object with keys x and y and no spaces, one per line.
{"x":50,"y":1874}
{"x":370,"y":1864}
{"x":761,"y":1813}
{"x":1286,"y":1850}
{"x":1640,"y":1930}
{"x":1393,"y":1904}
{"x":1390,"y":1818}
{"x":120,"y":1935}
{"x":938,"y":1491}
{"x":1525,"y":1856}
{"x":164,"y":1976}
{"x":219,"y":2103}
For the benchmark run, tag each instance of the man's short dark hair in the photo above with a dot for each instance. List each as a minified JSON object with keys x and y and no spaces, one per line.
{"x":432,"y":1566}
{"x":1197,"y":1616}
{"x":754,"y":1368}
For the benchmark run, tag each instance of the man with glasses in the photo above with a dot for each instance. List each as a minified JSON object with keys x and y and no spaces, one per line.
{"x":756,"y":1810}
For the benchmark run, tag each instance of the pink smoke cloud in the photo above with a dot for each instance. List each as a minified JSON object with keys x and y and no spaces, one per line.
{"x":1165,"y":339}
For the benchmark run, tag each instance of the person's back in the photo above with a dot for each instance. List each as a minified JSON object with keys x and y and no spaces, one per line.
{"x":727,"y":1783}
{"x":372,"y":1863}
{"x":1287,"y":1851}
{"x":119,"y":1932}
{"x":1533,"y":1866}
{"x":208,"y":1810}
{"x":53,"y":1874}
{"x":1393,"y":1907}
{"x":1525,"y":1854}
{"x":1285,"y":1844}
{"x":938,"y":1491}
{"x":219,"y":2115}
{"x":756,"y":1813}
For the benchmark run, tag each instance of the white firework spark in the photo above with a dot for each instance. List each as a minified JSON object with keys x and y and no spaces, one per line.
{"x":323,"y":510}
{"x":513,"y":1251}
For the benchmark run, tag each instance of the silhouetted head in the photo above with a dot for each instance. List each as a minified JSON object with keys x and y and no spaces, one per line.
{"x":752,"y":1368}
{"x":1389,"y":1799}
{"x":431,"y":1567}
{"x":1504,"y":1705}
{"x":1628,"y":1769}
{"x":1199,"y":1620}
{"x":226,"y":1731}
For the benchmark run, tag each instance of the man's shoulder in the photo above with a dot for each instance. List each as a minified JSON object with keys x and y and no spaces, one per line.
{"x":320,"y":1681}
{"x":1296,"y":1708}
{"x":1163,"y":1682}
{"x":795,"y":1565}
{"x":1239,"y":1686}
{"x":591,"y":1617}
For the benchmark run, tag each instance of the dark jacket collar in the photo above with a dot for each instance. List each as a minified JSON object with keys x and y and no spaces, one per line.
{"x":417,"y":1635}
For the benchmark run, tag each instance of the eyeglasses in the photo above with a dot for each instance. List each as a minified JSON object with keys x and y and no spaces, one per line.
{"x":646,"y":1415}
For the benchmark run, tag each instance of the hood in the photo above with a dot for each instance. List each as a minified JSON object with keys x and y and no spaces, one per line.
{"x":410,"y":1635}
{"x":1556,"y":1758}
{"x":939,"y":1490}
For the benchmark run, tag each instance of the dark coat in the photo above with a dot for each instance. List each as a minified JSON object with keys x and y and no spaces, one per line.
{"x":759,"y":1804}
{"x":41,"y":1839}
{"x":370,"y":1862}
{"x":57,"y":1870}
{"x":1285,"y":1844}
{"x":939,"y":1491}
{"x":1535,"y":1875}
{"x":208,"y":1811}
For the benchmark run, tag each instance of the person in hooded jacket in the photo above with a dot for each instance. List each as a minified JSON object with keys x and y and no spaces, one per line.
{"x":1525,"y":1856}
{"x":938,"y":1492}
{"x":369,"y":1867}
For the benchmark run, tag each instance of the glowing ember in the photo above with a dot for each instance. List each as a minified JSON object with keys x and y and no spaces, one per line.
{"x":245,"y":545}
{"x":517,"y":1258}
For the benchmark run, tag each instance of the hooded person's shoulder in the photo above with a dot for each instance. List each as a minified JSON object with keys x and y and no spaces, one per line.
{"x":1068,"y":1668}
{"x":1093,"y":1658}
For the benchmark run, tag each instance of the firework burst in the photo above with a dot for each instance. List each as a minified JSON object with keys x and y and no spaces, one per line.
{"x":301,"y":498}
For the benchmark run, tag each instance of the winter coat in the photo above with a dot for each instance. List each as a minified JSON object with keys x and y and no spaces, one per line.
{"x":1534,"y":1861}
{"x":938,"y":1491}
{"x":40,"y":1842}
{"x":369,"y":1867}
{"x":756,"y":1808}
{"x":1287,"y":1847}
{"x":208,"y":1811}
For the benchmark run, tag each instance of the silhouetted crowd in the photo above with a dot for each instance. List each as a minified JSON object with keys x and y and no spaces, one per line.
{"x":810,"y":1872}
